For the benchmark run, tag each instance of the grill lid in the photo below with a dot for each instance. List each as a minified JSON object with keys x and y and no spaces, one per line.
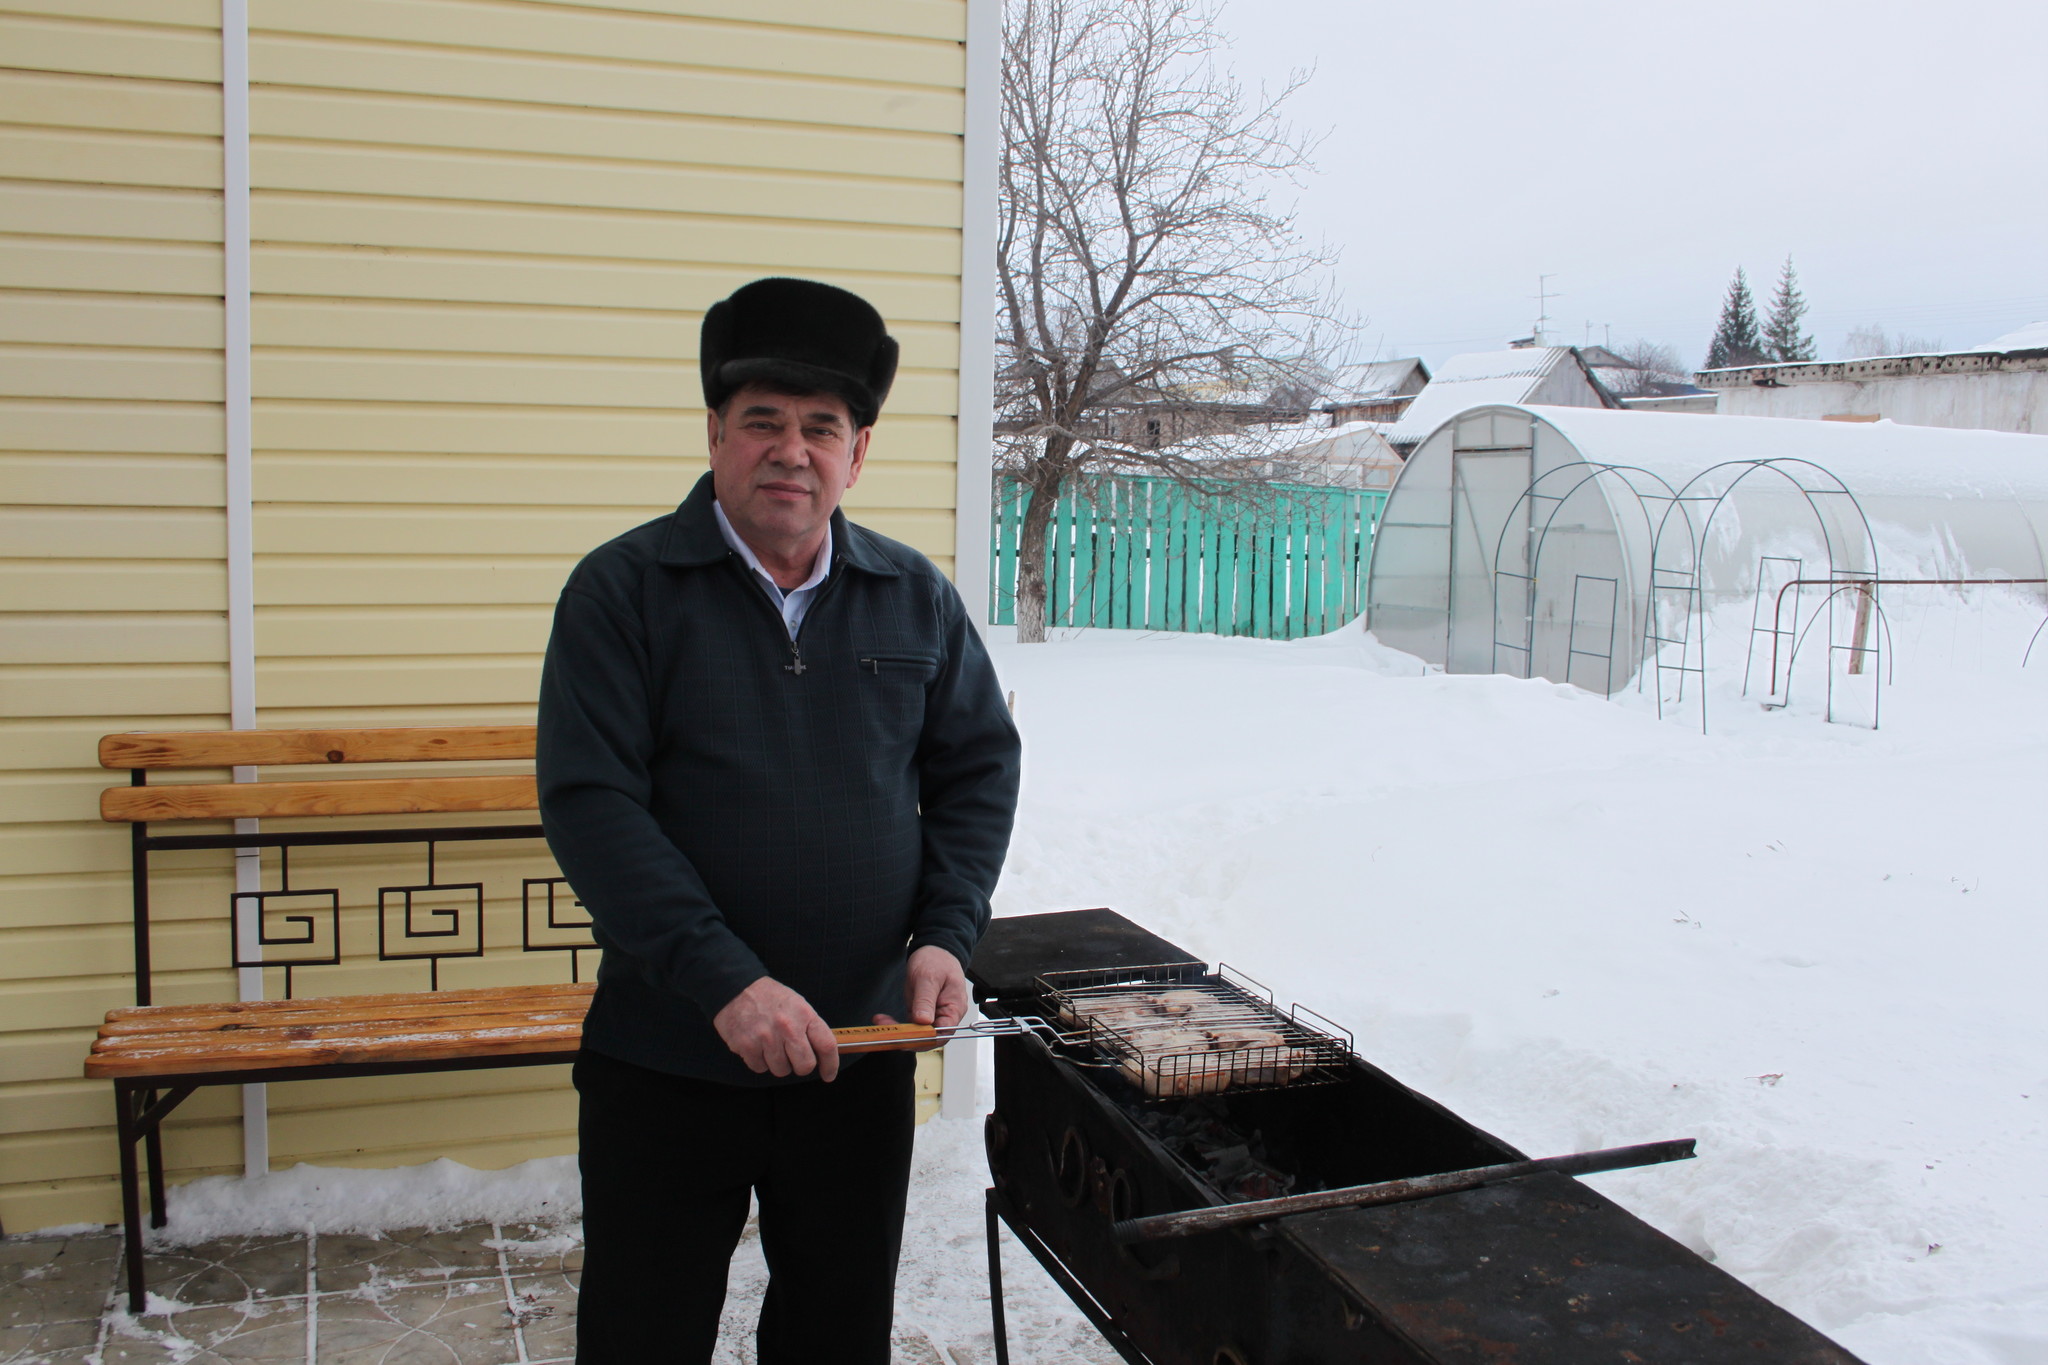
{"x":1019,"y":949}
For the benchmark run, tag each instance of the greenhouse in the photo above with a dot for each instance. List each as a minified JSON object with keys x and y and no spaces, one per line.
{"x":1579,"y":544}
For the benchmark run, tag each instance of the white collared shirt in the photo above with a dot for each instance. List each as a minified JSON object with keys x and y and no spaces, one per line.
{"x":797,"y":600}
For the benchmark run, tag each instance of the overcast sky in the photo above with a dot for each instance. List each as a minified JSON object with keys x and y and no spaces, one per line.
{"x":1639,"y":152}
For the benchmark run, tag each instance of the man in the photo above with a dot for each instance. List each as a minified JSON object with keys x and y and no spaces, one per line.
{"x":775,"y":765}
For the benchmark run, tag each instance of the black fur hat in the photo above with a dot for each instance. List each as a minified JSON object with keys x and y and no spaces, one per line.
{"x":798,"y":332}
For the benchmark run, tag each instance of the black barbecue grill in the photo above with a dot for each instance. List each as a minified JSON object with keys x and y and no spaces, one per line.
{"x":1096,"y":1125}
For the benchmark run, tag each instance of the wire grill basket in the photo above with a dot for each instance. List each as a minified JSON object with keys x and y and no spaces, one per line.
{"x":1177,"y":1029}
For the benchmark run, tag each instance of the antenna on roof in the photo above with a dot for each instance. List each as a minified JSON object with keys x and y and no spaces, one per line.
{"x":1543,"y":298}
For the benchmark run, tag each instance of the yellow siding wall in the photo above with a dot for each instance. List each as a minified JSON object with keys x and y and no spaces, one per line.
{"x":484,"y":235}
{"x":112,"y":583}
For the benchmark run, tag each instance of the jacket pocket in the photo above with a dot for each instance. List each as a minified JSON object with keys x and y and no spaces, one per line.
{"x":891,"y":687}
{"x":909,"y":668}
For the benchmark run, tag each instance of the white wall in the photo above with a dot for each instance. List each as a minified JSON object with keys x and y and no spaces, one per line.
{"x":2010,"y":400}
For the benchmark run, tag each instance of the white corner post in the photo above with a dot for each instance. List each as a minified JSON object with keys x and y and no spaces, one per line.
{"x":241,"y":549}
{"x":975,"y":453}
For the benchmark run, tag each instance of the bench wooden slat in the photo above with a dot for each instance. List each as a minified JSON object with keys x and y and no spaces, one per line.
{"x":426,"y":1045}
{"x":319,"y":1002}
{"x":256,"y":748}
{"x":360,"y":796}
{"x":336,"y":1031}
{"x":289,"y":1020}
{"x":139,"y":1019}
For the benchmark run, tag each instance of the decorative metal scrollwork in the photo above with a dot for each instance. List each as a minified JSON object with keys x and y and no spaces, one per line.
{"x":431,"y":913}
{"x":552,"y":903}
{"x":425,"y":921}
{"x":300,"y":916}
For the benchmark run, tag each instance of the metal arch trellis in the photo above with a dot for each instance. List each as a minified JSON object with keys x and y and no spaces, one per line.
{"x":1778,"y":631}
{"x":1681,"y":582}
{"x":2032,"y":640}
{"x":1634,"y":478}
{"x":1677,"y":588}
{"x":1866,"y":600}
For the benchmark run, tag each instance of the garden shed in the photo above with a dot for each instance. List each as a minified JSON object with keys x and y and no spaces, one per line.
{"x":1563,"y":542}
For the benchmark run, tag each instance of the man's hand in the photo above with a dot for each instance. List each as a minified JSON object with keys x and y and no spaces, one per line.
{"x":773,"y":1029}
{"x":935,"y":988}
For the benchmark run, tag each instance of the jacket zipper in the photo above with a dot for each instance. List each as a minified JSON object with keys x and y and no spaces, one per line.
{"x":796,"y":664}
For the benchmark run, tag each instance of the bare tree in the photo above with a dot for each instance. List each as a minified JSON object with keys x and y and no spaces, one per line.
{"x":1141,"y":268}
{"x":1873,"y":340}
{"x":1647,"y":364}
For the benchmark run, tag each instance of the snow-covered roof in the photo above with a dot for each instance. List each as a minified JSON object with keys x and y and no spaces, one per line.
{"x":1258,"y":442}
{"x":1376,"y":379}
{"x":1352,"y":441}
{"x":2032,"y":337}
{"x":1443,"y":400}
{"x":1876,"y":458}
{"x":1263,"y":441}
{"x":1525,"y":362}
{"x":1467,"y":381}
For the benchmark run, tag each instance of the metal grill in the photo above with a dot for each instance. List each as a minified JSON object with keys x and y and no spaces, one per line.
{"x":1177,"y":1030}
{"x":1536,"y":1268}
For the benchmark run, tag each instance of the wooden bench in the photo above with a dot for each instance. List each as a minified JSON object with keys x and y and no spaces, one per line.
{"x":158,"y":1055}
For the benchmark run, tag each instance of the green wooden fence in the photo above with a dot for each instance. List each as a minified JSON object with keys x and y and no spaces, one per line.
{"x":1148,"y":553}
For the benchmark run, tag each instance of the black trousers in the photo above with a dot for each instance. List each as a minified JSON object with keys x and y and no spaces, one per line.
{"x":668,"y":1164}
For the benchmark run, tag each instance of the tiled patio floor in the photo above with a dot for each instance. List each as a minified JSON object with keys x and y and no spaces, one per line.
{"x":478,"y":1295}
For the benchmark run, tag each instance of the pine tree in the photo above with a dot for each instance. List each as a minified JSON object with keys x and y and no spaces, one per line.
{"x":1784,"y":341}
{"x":1736,"y":340}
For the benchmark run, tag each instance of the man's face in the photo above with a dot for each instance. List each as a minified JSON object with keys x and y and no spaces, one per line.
{"x":780,"y":464}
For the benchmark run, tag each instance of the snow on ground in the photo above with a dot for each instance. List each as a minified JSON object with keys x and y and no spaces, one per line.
{"x":343,"y":1200}
{"x":1815,"y":948}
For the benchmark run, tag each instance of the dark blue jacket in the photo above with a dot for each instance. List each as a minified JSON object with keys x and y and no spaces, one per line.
{"x":730,"y":804}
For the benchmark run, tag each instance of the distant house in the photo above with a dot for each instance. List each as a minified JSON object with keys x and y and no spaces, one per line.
{"x":1172,"y":420}
{"x":2001,"y":386}
{"x":1379,"y":391}
{"x":1556,"y":376}
{"x":1644,"y":390}
{"x":1157,"y":417}
{"x":1354,"y":455}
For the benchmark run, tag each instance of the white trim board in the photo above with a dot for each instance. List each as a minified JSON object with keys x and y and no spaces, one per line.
{"x":973,"y":498}
{"x":241,"y":507}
